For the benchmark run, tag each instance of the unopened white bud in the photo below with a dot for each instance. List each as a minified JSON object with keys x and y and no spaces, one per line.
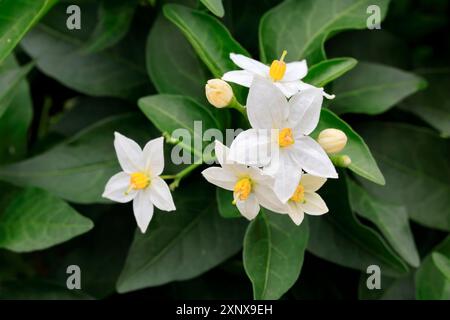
{"x":332,"y":140}
{"x":219,"y":93}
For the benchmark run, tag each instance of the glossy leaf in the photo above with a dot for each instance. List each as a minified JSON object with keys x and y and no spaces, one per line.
{"x":274,"y":248}
{"x":339,"y":237}
{"x":363,"y":162}
{"x":326,"y":71}
{"x":391,"y":220}
{"x":301,"y":27}
{"x":182,"y":244}
{"x":78,"y":169}
{"x":215,"y":6}
{"x":36,"y":220}
{"x":373,"y":88}
{"x":17,"y":18}
{"x":415,"y":163}
{"x":58,"y":52}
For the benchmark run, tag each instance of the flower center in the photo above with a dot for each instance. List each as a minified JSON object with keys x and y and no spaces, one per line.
{"x":138,"y":181}
{"x":285,"y":137}
{"x":278,"y":68}
{"x":299,"y":194}
{"x":242,"y":189}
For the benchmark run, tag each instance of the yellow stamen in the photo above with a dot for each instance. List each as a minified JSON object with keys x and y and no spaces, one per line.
{"x":242,"y":189}
{"x":278,"y":68}
{"x":285,"y":137}
{"x":299,"y":194}
{"x":138,"y":180}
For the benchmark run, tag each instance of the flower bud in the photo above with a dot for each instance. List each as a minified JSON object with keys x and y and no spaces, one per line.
{"x":219,"y":93}
{"x":332,"y":140}
{"x":342,"y":161}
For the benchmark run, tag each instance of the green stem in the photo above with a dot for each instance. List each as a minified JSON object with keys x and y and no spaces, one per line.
{"x":180,"y":175}
{"x":45,"y":117}
{"x":234,"y":104}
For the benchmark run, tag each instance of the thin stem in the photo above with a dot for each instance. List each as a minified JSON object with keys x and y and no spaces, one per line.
{"x":234,"y":104}
{"x":183,"y":173}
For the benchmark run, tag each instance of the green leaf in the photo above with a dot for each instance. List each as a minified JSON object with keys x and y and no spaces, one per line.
{"x":182,"y":244}
{"x":10,"y":78}
{"x":433,"y":276}
{"x":115,"y":17}
{"x":215,"y":6}
{"x":78,"y":169}
{"x":362,"y":163}
{"x":210,"y":39}
{"x":301,"y":27}
{"x":16,"y":19}
{"x":415,"y":163}
{"x":36,"y":220}
{"x":172,"y":64}
{"x":274,"y":248}
{"x":58,"y":52}
{"x":170,"y":112}
{"x":15,"y":121}
{"x":391,"y":220}
{"x":340,"y":237}
{"x":373,"y":88}
{"x":432,"y":104}
{"x":224,"y":203}
{"x":326,"y":71}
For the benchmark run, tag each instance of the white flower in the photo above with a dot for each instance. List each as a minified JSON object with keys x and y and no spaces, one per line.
{"x":250,"y":187}
{"x":279,"y":138}
{"x":306,"y":200}
{"x":286,"y":76}
{"x":139,"y":181}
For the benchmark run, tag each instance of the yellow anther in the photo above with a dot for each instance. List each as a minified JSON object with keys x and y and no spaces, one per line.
{"x":138,"y":180}
{"x":299,"y":194}
{"x":242,"y":189}
{"x":285,"y":137}
{"x":278,"y":68}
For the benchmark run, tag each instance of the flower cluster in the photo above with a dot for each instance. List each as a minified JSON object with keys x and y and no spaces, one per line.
{"x":274,"y":164}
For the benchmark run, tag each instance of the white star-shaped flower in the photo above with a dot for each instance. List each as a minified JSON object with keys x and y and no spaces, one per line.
{"x":250,"y":187}
{"x":139,"y":181}
{"x":306,"y":200}
{"x":285,"y":76}
{"x":278,"y":140}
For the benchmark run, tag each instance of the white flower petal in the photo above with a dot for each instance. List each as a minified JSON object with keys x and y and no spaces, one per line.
{"x":312,"y":183}
{"x":287,"y":178}
{"x":305,"y":86}
{"x":314,"y":204}
{"x":249,"y":208}
{"x":252,"y":147}
{"x":267,"y":107}
{"x":220,"y":177}
{"x":304,"y":112}
{"x":160,"y":194}
{"x":267,"y":198}
{"x":288,"y":88}
{"x":154,"y":156}
{"x":116,"y":188}
{"x":310,"y":156}
{"x":128,"y":153}
{"x":143,"y":210}
{"x":296,"y":213}
{"x":250,"y":64}
{"x":241,"y":77}
{"x":295,"y":71}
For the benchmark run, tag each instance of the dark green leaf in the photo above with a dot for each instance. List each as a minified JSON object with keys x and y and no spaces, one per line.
{"x":17,"y":18}
{"x":415,"y":164}
{"x":78,"y":169}
{"x":340,"y":237}
{"x":373,"y":88}
{"x":224,"y":202}
{"x":326,"y":71}
{"x":273,"y":253}
{"x":182,"y":244}
{"x":391,"y":220}
{"x":391,"y":288}
{"x":36,"y":220}
{"x":301,"y":27}
{"x":215,"y":6}
{"x":362,"y":163}
{"x":38,"y":290}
